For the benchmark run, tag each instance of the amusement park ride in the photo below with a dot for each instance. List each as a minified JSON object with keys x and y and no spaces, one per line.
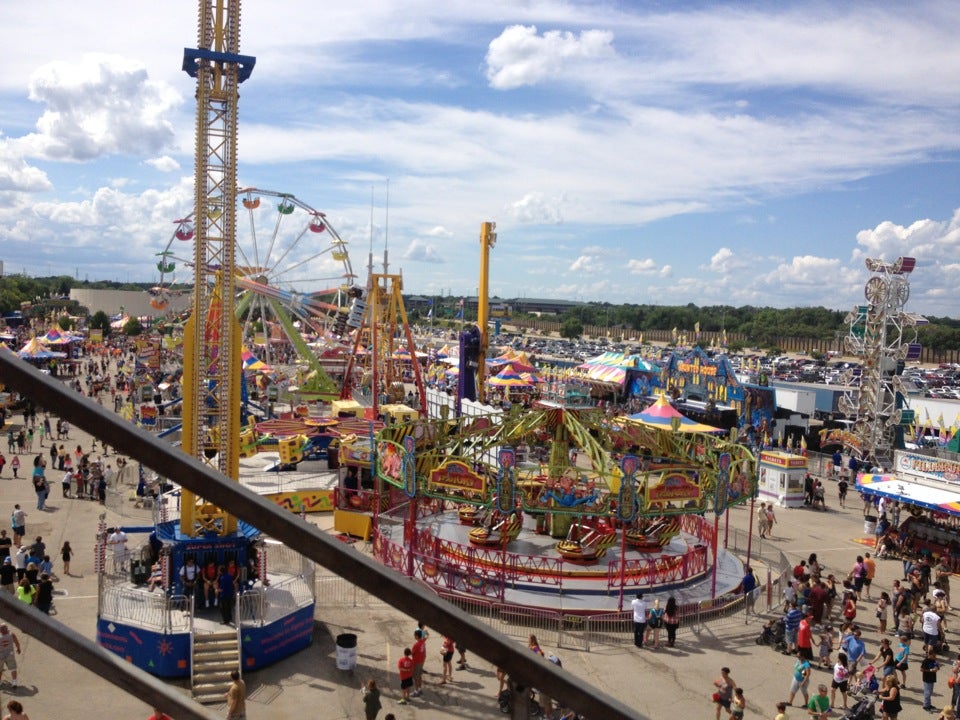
{"x":884,"y":335}
{"x":620,"y":504}
{"x":162,"y":632}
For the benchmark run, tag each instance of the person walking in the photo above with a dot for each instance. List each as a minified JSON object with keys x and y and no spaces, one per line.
{"x":725,"y":686}
{"x":9,"y":649}
{"x":236,"y":697}
{"x":762,"y":526}
{"x":371,"y":700}
{"x":66,"y":554}
{"x":840,"y":680}
{"x":15,"y":466}
{"x":639,"y":606}
{"x":801,"y":680}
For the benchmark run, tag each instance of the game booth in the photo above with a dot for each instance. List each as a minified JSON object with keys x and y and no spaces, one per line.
{"x":708,"y":389}
{"x":929,"y":519}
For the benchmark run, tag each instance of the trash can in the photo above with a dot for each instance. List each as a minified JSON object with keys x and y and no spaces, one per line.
{"x":333,"y":456}
{"x":346,"y":651}
{"x":869,"y":524}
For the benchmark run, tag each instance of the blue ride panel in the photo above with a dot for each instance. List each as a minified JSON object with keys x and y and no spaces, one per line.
{"x":162,"y":654}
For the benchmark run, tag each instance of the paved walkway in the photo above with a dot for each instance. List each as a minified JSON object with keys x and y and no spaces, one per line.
{"x":660,"y":683}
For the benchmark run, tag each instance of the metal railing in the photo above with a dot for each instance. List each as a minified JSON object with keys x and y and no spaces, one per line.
{"x":155,"y":611}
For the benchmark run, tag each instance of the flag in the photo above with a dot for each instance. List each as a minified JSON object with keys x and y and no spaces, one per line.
{"x":430,"y":312}
{"x":723,"y":337}
{"x":460,"y":313}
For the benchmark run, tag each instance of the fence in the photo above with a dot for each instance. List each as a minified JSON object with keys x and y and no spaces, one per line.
{"x":581,"y":632}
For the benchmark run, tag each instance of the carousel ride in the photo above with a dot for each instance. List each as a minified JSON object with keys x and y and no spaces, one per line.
{"x":488,"y":502}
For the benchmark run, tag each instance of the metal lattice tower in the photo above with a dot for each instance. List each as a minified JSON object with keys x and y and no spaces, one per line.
{"x":878,"y":335}
{"x":212,"y":336}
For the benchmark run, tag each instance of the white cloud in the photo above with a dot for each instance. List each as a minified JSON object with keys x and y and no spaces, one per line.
{"x":439,"y":232}
{"x":519,"y":56}
{"x":536,"y":208}
{"x":587,"y":264}
{"x":419,"y":251}
{"x":101,"y":105}
{"x":164,"y":163}
{"x":16,"y":175}
{"x":726,"y":262}
{"x":926,"y":240}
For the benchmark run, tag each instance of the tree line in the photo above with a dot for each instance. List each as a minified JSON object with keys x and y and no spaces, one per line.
{"x":760,"y":324}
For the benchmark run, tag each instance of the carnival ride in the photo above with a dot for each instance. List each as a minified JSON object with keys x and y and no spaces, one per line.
{"x":383,"y":356}
{"x":287,"y":250}
{"x":638,"y":486}
{"x":884,"y":335}
{"x":273,"y":612}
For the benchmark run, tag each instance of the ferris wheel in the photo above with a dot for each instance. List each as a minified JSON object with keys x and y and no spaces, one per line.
{"x":293,"y":270}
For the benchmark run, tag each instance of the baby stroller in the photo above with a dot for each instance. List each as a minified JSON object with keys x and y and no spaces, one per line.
{"x":865,"y":709}
{"x":774,"y":633}
{"x":867,"y":683}
{"x":505,"y":702}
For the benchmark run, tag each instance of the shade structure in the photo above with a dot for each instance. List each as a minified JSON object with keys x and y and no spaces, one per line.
{"x":661,"y":415}
{"x":508,"y":379}
{"x":34,"y":350}
{"x":939,"y":499}
{"x":253,"y":363}
{"x":55,"y":337}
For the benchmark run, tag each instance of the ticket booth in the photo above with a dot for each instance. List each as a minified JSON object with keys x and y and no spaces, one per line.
{"x":781,"y":478}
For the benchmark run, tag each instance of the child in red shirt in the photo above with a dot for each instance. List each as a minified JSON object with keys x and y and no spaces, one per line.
{"x":405,"y":669}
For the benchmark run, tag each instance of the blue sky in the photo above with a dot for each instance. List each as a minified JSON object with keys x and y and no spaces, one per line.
{"x":666,"y":153}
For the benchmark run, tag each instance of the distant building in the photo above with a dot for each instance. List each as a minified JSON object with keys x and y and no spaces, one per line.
{"x":135,"y":303}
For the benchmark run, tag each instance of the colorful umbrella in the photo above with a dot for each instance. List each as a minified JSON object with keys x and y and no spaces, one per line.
{"x":661,"y":415}
{"x":508,"y":379}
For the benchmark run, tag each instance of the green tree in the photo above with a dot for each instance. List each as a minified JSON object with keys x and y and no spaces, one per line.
{"x":571,"y":328}
{"x":100,"y":321}
{"x":132,"y":327}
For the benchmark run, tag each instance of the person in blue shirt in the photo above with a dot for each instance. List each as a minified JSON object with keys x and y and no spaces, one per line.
{"x":749,"y":585}
{"x":855,"y":649}
{"x":791,"y":623}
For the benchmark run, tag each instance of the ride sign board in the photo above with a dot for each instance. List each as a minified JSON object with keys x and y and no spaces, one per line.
{"x":914,"y":466}
{"x":678,"y":491}
{"x":457,"y":479}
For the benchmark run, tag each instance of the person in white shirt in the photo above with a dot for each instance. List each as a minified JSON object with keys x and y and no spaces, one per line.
{"x":930,"y":622}
{"x":117,"y":539}
{"x":640,"y":613}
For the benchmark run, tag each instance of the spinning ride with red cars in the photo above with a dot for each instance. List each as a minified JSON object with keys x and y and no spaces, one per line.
{"x":482,"y":503}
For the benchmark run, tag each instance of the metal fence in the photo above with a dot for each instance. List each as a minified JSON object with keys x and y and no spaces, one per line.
{"x":582,"y":632}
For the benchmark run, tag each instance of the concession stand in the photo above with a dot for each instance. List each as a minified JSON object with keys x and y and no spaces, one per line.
{"x":930,"y":518}
{"x":781,"y":477}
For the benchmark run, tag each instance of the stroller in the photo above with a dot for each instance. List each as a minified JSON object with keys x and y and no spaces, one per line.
{"x":505,"y":703}
{"x":867,"y":683}
{"x":774,"y":633}
{"x":865,"y":709}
